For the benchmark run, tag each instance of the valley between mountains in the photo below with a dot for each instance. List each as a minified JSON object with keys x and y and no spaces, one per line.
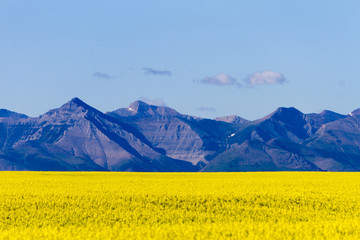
{"x":147,"y":138}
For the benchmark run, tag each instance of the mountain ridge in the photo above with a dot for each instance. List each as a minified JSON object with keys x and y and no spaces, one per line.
{"x":144,"y":137}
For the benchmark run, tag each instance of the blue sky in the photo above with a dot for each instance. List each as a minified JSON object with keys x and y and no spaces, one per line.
{"x":204,"y":58}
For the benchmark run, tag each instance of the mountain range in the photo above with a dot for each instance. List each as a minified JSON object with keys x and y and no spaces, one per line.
{"x":143,"y":137}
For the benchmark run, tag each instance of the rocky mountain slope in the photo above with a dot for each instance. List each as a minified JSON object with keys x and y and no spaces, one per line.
{"x":79,"y":137}
{"x":142,"y":137}
{"x":182,"y":137}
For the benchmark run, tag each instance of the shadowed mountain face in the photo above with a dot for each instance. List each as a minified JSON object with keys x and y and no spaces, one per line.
{"x":143,"y":137}
{"x":280,"y":141}
{"x":10,"y":114}
{"x":339,"y":143}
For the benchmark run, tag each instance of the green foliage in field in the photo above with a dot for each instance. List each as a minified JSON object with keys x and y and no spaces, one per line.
{"x":45,"y":205}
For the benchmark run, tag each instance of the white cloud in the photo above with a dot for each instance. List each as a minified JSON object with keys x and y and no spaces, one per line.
{"x":155,"y":102}
{"x":220,"y":80}
{"x":264,"y":78}
{"x":255,"y":79}
{"x":206,"y":109}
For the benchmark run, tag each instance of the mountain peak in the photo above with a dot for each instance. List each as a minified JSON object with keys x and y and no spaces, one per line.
{"x":283,"y":114}
{"x":288,"y":116}
{"x":331,"y":116}
{"x":326,"y":112}
{"x":139,"y":106}
{"x":74,"y":104}
{"x":287,"y":110}
{"x":232,"y":119}
{"x":76,"y":100}
{"x":74,"y":108}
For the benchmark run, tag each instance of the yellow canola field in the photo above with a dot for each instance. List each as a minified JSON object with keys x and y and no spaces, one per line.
{"x":279,"y":205}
